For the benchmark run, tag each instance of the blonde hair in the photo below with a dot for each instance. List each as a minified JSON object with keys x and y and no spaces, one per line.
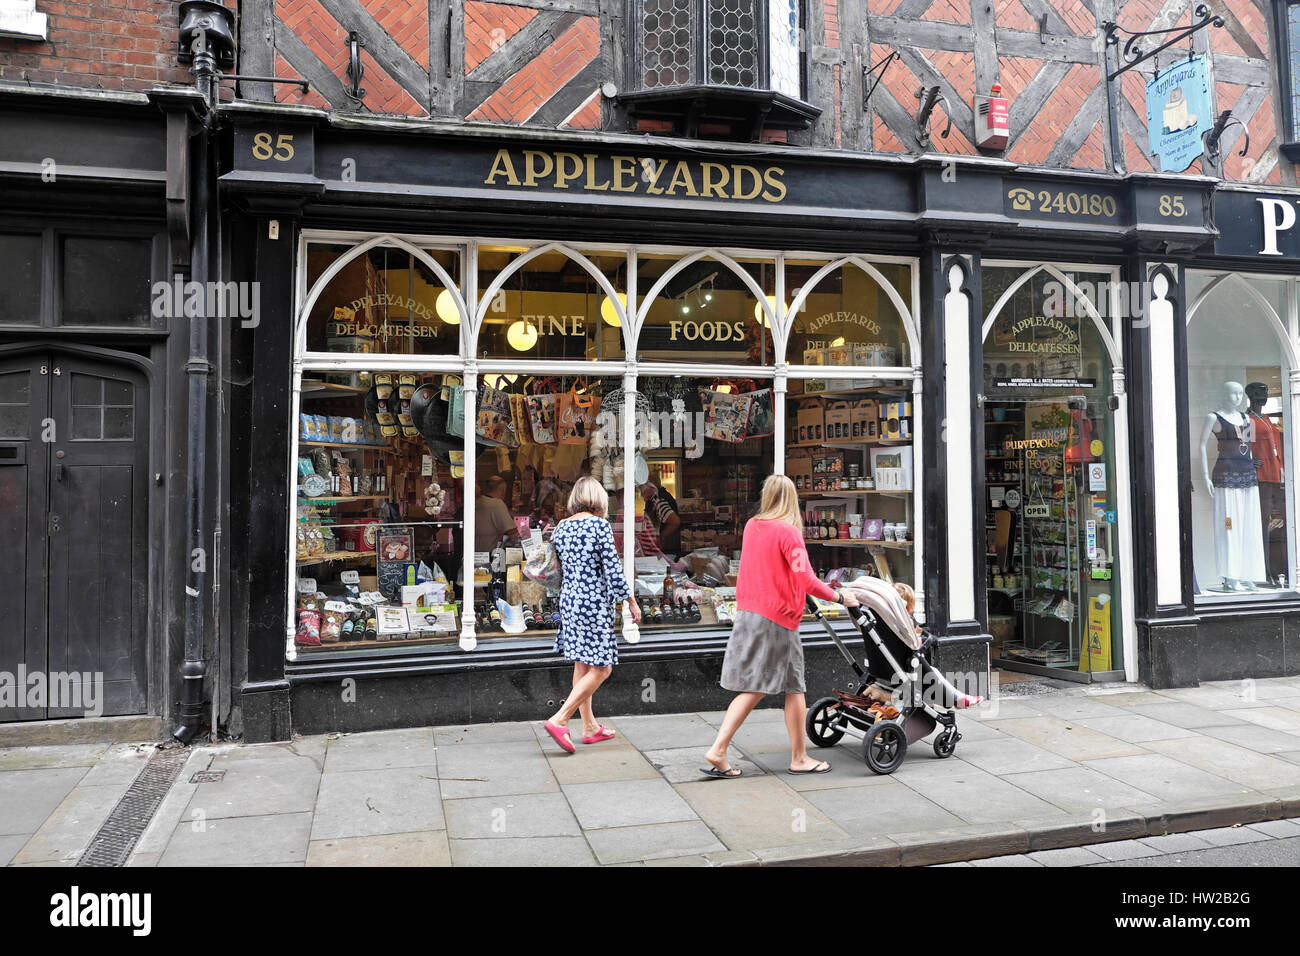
{"x":780,"y":502}
{"x":908,"y":595}
{"x":588,"y":495}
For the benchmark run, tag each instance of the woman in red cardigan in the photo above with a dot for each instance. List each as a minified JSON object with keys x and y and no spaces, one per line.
{"x":764,"y":655}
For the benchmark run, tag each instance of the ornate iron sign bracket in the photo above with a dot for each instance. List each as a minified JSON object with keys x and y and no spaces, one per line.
{"x":1133,"y":52}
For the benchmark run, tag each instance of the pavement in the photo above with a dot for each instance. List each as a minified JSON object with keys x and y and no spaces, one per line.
{"x":1055,"y":767}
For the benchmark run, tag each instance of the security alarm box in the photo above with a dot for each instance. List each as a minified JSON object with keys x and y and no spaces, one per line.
{"x":992,"y":120}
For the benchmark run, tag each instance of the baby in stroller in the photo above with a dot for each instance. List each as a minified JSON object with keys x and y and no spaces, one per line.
{"x":940,"y":690}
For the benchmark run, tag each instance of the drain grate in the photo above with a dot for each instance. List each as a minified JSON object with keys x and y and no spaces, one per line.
{"x":208,"y":776}
{"x":118,"y":836}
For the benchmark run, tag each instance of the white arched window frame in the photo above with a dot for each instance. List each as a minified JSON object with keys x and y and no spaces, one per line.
{"x":1111,"y":337}
{"x":1287,"y":333}
{"x":473,"y":307}
{"x":909,"y":317}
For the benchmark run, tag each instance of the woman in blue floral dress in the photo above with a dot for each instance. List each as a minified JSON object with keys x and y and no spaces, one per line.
{"x":593,"y":582}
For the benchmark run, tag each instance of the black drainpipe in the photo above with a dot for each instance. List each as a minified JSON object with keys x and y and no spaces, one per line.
{"x":198,"y":371}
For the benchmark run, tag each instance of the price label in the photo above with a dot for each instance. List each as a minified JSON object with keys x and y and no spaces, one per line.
{"x":306,"y":585}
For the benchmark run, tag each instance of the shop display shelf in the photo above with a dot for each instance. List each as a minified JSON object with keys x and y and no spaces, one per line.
{"x":334,"y":556}
{"x":335,"y":499}
{"x":857,"y":543}
{"x":853,"y":493}
{"x":341,"y":444}
{"x":312,"y":386}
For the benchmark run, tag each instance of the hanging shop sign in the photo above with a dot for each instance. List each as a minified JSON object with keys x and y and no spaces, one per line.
{"x":1178,"y":112}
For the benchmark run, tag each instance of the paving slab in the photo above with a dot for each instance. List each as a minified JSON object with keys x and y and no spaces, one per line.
{"x":382,"y":750}
{"x":1068,"y":856}
{"x":252,"y":787}
{"x":840,"y":851}
{"x":1232,"y":836}
{"x":627,"y":803}
{"x":67,"y":831}
{"x":683,"y":764}
{"x":519,"y":731}
{"x":518,"y":852}
{"x":1121,"y":850}
{"x":880,"y":810}
{"x":1292,"y":757}
{"x":1166,"y":778}
{"x":1134,"y":728}
{"x":1075,"y":708}
{"x":372,"y":802}
{"x":1188,"y":716}
{"x":10,"y":845}
{"x":240,"y":841}
{"x":1217,"y":698}
{"x":427,"y":848}
{"x":30,"y":796}
{"x":1277,"y":828}
{"x":1238,"y":764}
{"x":652,"y":841}
{"x":1010,"y":755}
{"x":1079,"y":789}
{"x":1019,"y":860}
{"x":754,"y":812}
{"x":119,"y":766}
{"x":1266,"y":688}
{"x":494,"y":769}
{"x":978,"y":797}
{"x":1273,"y":717}
{"x":668,"y":731}
{"x":601,"y":762}
{"x":518,"y":816}
{"x":1067,"y":739}
{"x":1174,"y":843}
{"x":1138,"y":698}
{"x":848,"y":769}
{"x":50,"y":757}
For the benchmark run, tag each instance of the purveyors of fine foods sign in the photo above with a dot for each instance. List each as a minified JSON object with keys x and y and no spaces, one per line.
{"x":645,"y":175}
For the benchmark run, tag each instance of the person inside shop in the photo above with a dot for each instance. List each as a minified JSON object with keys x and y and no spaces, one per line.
{"x":1266,"y":450}
{"x":492,"y":520}
{"x":661,"y":508}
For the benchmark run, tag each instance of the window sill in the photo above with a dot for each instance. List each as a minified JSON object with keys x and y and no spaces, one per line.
{"x":1291,"y":151}
{"x":750,"y":111}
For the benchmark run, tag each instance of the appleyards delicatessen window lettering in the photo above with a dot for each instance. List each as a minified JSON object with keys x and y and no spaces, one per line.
{"x":646,"y":175}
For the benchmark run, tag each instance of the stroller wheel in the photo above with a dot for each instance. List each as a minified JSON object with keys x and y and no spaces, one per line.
{"x":884,"y":747}
{"x":820,"y":723}
{"x":946,"y":743}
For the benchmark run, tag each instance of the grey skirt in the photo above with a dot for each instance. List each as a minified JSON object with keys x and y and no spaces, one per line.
{"x":762,"y":657}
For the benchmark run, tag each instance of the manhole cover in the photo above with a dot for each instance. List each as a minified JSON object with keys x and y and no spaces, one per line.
{"x":208,"y":776}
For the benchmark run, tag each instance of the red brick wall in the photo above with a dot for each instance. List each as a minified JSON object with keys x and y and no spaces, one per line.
{"x":100,"y":44}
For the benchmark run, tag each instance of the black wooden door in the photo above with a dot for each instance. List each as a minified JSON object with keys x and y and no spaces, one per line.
{"x":81,"y":469}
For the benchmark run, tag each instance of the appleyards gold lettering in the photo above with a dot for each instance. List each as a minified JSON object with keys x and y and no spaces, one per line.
{"x":532,"y":169}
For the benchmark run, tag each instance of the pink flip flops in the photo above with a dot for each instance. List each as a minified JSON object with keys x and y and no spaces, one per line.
{"x":561,"y":736}
{"x":603,"y":733}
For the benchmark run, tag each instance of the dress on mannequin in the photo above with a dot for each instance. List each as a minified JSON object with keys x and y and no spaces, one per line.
{"x":1238,"y":536}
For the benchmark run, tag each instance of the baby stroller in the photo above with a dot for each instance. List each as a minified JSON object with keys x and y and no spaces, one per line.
{"x":894,"y":660}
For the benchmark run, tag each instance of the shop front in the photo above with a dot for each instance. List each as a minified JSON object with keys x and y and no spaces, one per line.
{"x":458,"y":327}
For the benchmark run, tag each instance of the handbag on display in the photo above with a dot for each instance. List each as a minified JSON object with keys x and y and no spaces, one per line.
{"x":573,"y":425}
{"x":493,"y":419}
{"x":726,"y":415}
{"x":541,"y":417}
{"x":456,"y":411}
{"x":542,"y":564}
{"x":762,"y":416}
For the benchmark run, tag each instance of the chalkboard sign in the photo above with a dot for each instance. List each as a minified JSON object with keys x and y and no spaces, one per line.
{"x":395,"y":553}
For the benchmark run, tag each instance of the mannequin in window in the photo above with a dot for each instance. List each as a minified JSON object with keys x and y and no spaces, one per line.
{"x":1238,"y":539}
{"x":1267,"y":452}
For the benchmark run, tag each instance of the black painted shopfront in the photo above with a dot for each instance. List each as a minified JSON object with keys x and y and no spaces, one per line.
{"x":978,"y":310}
{"x":957,"y":231}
